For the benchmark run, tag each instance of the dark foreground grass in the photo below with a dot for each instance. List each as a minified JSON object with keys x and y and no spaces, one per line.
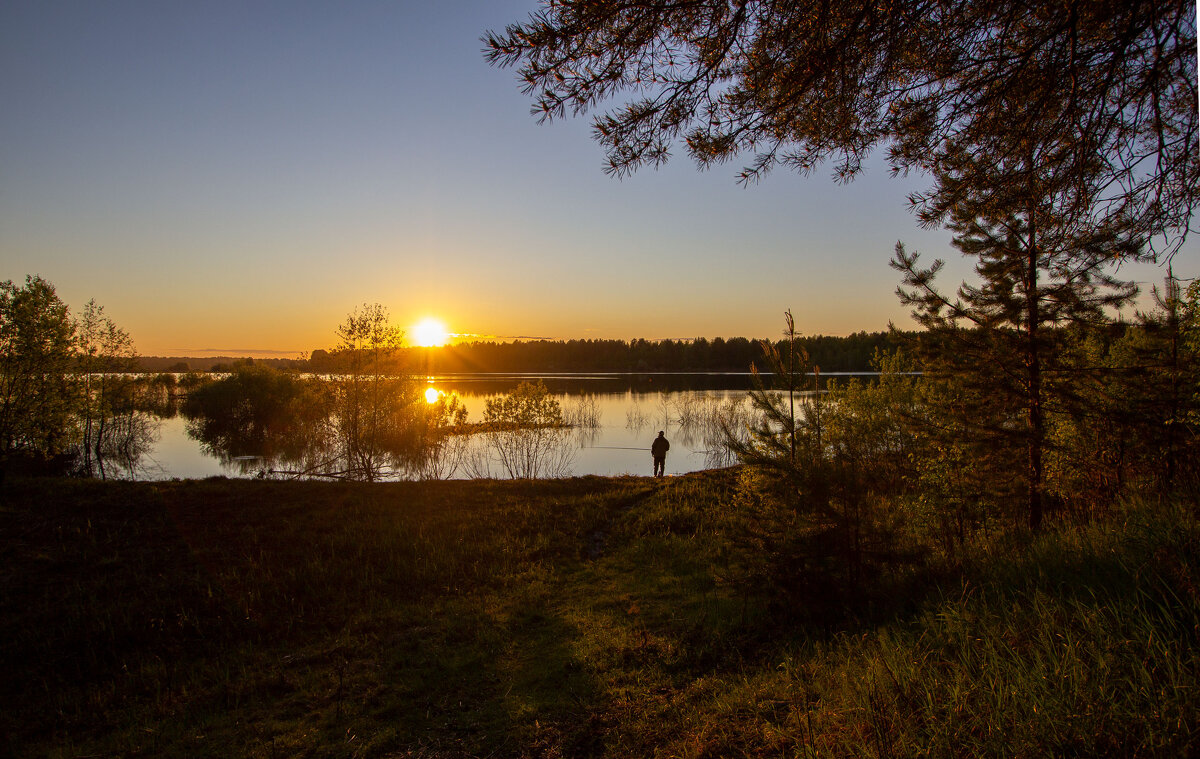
{"x":574,"y":618}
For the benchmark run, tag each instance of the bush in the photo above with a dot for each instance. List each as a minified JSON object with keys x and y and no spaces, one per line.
{"x":525,"y":432}
{"x":259,"y":411}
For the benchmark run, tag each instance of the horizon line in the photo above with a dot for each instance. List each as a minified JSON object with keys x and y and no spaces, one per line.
{"x":298,"y":354}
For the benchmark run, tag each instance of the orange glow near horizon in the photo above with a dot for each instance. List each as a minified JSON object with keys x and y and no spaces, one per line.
{"x":432,"y":394}
{"x":429,"y":333}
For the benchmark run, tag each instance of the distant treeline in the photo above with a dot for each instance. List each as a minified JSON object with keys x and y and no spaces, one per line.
{"x":210,"y":364}
{"x":832,"y":354}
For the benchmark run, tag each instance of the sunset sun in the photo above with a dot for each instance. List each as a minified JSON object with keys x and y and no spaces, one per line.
{"x":429,"y":333}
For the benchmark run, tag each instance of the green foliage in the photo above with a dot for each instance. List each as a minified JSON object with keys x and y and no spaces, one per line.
{"x":192,"y":380}
{"x":112,"y":428}
{"x":826,"y":470}
{"x":36,"y":341}
{"x":66,"y":388}
{"x":962,"y":484}
{"x":786,"y":434}
{"x":1040,"y":268}
{"x":526,"y":433}
{"x":439,"y":445}
{"x":375,"y":408}
{"x":1164,"y":403}
{"x":1135,"y":428}
{"x":529,"y":405}
{"x":260,"y":411}
{"x":869,"y":422}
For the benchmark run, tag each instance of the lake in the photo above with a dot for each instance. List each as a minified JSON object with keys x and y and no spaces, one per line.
{"x":624,"y":414}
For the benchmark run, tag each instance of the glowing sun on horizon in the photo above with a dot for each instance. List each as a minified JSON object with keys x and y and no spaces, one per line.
{"x":429,"y":333}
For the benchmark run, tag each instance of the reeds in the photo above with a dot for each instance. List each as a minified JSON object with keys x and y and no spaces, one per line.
{"x":636,"y":418}
{"x":583,"y":412}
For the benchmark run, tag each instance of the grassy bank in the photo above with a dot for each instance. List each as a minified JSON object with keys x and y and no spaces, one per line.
{"x":584,"y":617}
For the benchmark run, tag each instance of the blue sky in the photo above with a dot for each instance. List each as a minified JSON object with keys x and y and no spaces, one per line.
{"x":236,"y":177}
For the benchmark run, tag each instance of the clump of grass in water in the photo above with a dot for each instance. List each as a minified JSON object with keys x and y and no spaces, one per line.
{"x":583,"y":412}
{"x":636,"y":418}
{"x":721,"y":423}
{"x":688,"y":408}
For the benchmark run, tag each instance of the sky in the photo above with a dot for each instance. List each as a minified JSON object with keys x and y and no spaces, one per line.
{"x":234,"y":178}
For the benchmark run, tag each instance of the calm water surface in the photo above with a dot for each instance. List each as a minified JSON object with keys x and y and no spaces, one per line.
{"x":631,"y":408}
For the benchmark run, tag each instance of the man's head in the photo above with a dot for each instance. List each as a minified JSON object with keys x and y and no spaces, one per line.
{"x":660,"y":433}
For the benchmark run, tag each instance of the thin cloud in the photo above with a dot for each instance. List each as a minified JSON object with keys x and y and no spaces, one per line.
{"x":477,"y":336}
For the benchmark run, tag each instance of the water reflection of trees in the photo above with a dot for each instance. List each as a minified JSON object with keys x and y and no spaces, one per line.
{"x":583,"y":412}
{"x":709,"y":424}
{"x":636,"y":418}
{"x":113,"y":427}
{"x":121,"y":451}
{"x":258,"y":419}
{"x":119,"y":421}
{"x":702,"y":421}
{"x":259,"y":412}
{"x":526,"y":433}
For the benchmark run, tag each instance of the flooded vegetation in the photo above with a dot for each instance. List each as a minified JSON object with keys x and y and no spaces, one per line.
{"x":255,"y":421}
{"x":470,"y":429}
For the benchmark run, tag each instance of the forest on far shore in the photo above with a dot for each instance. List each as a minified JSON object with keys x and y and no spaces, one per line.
{"x":852,"y":353}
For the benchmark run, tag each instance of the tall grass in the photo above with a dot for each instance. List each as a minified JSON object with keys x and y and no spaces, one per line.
{"x":585,"y":617}
{"x":1084,"y":641}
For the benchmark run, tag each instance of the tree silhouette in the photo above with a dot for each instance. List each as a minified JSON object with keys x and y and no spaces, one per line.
{"x":1039,"y":268}
{"x":372,"y":404}
{"x":1108,"y":86}
{"x":35,"y":354}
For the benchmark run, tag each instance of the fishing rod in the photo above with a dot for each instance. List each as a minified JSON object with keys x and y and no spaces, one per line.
{"x":615,"y":447}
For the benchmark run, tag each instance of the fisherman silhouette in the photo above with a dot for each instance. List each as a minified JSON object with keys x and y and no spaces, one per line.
{"x":658,"y":449}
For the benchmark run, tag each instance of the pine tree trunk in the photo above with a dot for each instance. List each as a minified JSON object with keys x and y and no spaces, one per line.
{"x":1173,"y":330}
{"x":1036,"y":423}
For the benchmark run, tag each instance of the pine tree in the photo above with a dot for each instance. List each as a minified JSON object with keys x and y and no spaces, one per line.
{"x":1039,"y":268}
{"x":1108,"y":87}
{"x":786,"y":434}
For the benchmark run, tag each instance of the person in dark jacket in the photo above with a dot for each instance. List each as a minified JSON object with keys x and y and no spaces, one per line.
{"x":658,"y":449}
